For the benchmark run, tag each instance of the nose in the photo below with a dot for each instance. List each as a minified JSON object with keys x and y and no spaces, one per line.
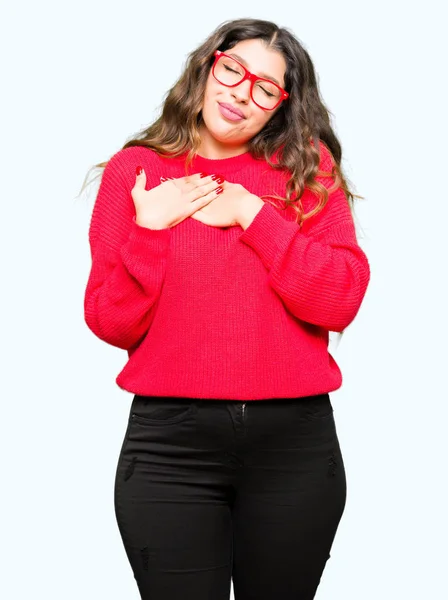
{"x":241,"y":92}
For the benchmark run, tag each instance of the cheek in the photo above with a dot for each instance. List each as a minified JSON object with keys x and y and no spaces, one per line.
{"x":261,"y":118}
{"x":210,"y":97}
{"x":211,"y":88}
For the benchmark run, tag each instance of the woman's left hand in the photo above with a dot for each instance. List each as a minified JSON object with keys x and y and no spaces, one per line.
{"x":226,"y":209}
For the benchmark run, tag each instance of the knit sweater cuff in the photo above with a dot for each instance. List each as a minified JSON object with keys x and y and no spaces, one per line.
{"x":145,"y":254}
{"x":143,"y":240}
{"x":269,"y":233}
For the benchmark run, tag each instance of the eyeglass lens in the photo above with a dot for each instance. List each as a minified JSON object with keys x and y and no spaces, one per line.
{"x":228,"y":72}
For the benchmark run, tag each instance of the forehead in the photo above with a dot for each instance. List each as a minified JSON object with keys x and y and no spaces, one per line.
{"x":260,"y":59}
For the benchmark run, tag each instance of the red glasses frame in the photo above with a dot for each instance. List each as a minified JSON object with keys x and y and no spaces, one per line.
{"x":248,"y":75}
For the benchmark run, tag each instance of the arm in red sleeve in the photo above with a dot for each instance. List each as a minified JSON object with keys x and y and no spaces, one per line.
{"x":320,"y":278}
{"x":128,"y":261}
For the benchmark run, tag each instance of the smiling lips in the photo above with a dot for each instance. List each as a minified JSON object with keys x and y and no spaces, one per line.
{"x":230,"y":112}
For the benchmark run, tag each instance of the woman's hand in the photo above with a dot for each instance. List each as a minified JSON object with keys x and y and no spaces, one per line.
{"x":172,"y":201}
{"x":227,"y":209}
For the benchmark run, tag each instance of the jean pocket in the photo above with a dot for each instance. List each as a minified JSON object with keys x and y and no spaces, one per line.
{"x":318,"y":408}
{"x":159,"y":410}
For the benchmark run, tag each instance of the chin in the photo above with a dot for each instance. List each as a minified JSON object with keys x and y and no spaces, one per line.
{"x":228,"y":139}
{"x":225,"y":135}
{"x":226,"y":132}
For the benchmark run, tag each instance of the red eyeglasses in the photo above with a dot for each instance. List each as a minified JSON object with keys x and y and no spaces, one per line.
{"x":229,"y":72}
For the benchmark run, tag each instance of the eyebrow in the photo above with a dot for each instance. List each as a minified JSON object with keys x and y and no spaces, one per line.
{"x":259,"y":74}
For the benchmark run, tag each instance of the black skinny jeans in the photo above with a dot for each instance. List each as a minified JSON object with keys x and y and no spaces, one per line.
{"x":212,"y":490}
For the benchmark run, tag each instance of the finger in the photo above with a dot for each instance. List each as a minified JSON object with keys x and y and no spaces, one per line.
{"x":180,"y":182}
{"x":196,"y":178}
{"x":189,"y":182}
{"x":140,"y":177}
{"x":205,"y":193}
{"x":203,"y":184}
{"x":204,"y":177}
{"x":208,"y":197}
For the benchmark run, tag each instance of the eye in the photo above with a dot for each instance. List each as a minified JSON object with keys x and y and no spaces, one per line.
{"x":266,"y":92}
{"x":229,"y":69}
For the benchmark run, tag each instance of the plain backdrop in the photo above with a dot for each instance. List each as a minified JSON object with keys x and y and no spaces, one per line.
{"x":79,"y":79}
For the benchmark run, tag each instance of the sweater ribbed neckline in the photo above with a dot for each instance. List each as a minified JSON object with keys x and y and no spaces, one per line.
{"x":221,"y":165}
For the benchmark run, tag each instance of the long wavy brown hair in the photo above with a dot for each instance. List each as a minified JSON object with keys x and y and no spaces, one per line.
{"x":289,"y":140}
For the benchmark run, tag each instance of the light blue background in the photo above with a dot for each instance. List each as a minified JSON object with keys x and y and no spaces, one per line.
{"x":79,"y":78}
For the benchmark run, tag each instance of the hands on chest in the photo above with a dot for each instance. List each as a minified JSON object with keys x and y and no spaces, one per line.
{"x":206,"y":198}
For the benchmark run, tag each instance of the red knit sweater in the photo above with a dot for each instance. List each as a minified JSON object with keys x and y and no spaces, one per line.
{"x":227,"y":313}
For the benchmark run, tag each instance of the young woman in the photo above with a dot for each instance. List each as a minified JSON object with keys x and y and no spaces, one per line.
{"x":223,"y":253}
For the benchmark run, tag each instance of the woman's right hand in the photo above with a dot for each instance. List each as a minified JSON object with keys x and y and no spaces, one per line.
{"x":172,"y":201}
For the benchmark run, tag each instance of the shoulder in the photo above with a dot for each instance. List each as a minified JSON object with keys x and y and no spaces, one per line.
{"x":128,"y":157}
{"x":337,"y":208}
{"x":122,"y":164}
{"x":327,"y":161}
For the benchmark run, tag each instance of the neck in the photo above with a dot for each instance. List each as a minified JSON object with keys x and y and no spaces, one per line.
{"x":211,"y":148}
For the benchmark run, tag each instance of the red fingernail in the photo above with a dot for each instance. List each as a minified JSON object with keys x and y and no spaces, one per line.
{"x":218,"y":178}
{"x":219,"y":190}
{"x":202,"y":175}
{"x":138,"y":170}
